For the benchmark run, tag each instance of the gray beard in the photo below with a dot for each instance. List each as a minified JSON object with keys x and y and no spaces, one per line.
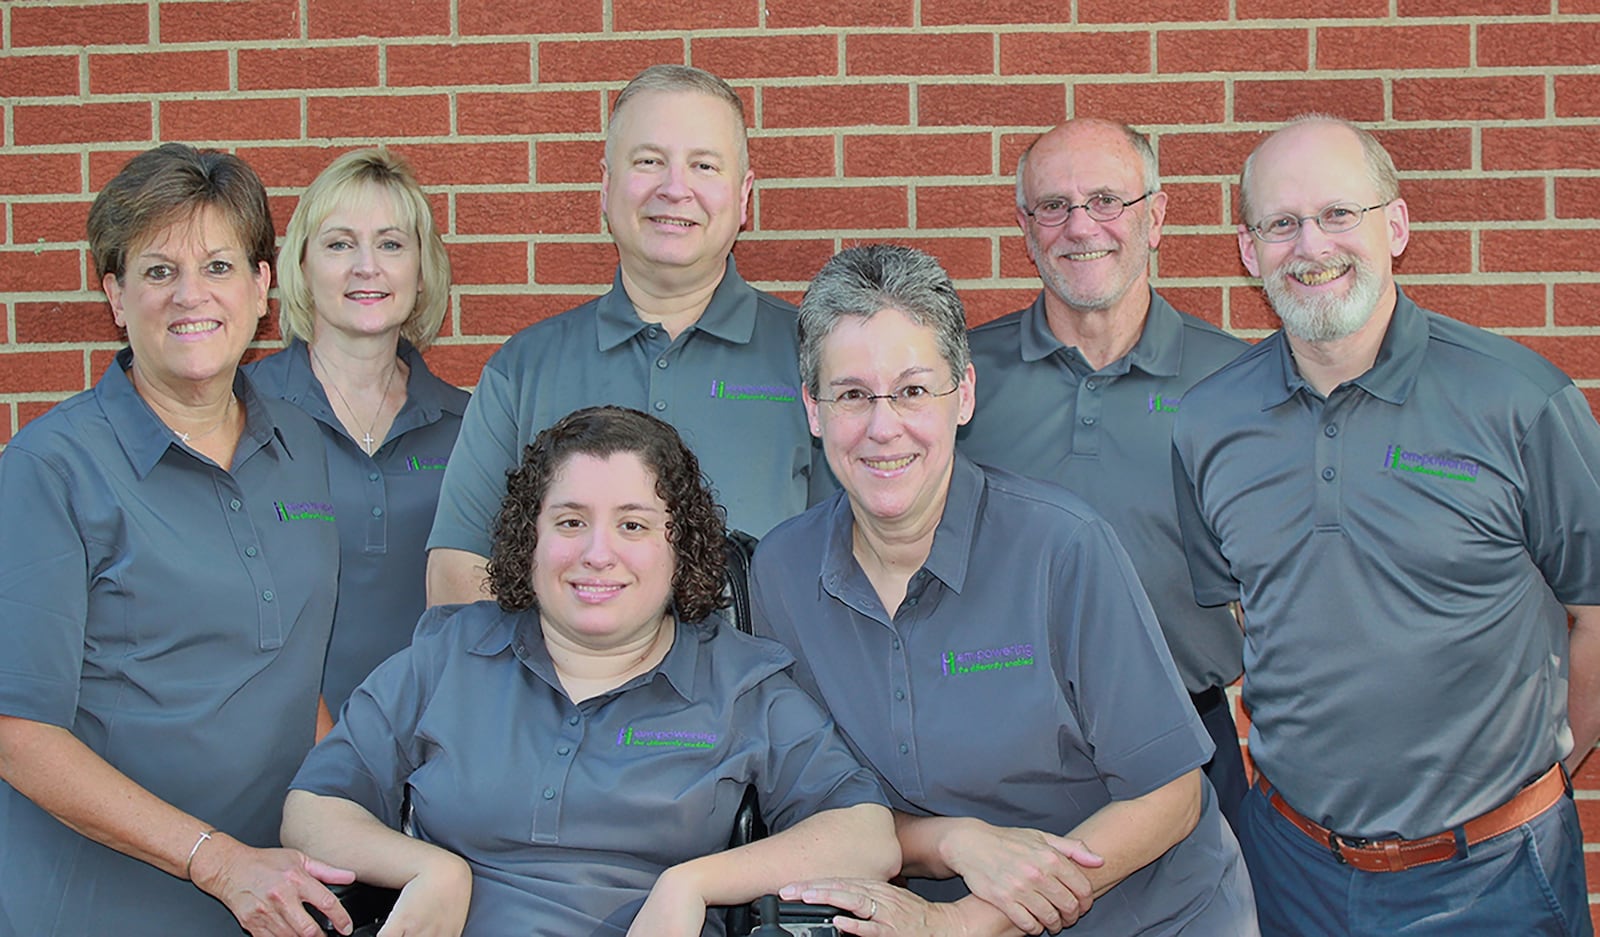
{"x":1324,"y":318}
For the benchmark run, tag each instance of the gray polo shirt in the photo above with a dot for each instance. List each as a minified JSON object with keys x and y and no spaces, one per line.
{"x":568,"y":813}
{"x":1023,"y":681}
{"x":730,"y":384}
{"x":1106,"y":436}
{"x":385,"y":503}
{"x":173,"y":616}
{"x":1402,"y":550}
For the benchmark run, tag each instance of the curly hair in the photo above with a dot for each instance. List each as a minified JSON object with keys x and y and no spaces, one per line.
{"x":695,"y":525}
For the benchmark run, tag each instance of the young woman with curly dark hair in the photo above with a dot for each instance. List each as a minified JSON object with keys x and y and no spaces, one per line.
{"x":576,"y":751}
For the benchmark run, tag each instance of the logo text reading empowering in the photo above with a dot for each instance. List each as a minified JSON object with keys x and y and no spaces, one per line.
{"x":303,"y":511}
{"x":986,"y":659}
{"x":781,"y":393}
{"x":630,"y":737}
{"x":1404,"y":460}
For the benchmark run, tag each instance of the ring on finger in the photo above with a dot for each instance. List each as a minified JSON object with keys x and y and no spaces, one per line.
{"x":873,"y":912}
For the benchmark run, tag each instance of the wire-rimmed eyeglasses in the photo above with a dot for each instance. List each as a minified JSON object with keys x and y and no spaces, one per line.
{"x":906,"y":400}
{"x":1335,"y":219}
{"x":1054,"y":212}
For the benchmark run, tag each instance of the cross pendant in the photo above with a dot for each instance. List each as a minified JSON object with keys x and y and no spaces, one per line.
{"x":367,"y":440}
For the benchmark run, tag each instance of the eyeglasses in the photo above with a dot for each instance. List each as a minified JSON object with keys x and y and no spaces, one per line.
{"x":1335,"y":219}
{"x":912,"y":398}
{"x":1053,"y":212}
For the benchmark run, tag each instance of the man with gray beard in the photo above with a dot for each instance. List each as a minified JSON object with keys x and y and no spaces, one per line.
{"x":1407,"y":509}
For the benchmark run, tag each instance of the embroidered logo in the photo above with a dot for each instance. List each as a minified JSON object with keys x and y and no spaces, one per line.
{"x":986,"y":659}
{"x":1155,"y":403}
{"x":303,"y":511}
{"x":779,"y":393}
{"x":1402,"y":459}
{"x":630,"y":737}
{"x":419,"y":464}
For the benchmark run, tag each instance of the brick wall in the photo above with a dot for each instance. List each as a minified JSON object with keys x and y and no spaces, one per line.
{"x":892,"y":120}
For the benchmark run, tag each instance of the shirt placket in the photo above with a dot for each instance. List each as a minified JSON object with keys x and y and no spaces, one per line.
{"x":1328,"y":460}
{"x":902,"y":709}
{"x":550,"y":781}
{"x":663,"y":356}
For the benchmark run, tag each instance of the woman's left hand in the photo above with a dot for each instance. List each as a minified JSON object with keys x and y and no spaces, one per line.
{"x":674,"y":909}
{"x":266,"y":889}
{"x":878,"y":909}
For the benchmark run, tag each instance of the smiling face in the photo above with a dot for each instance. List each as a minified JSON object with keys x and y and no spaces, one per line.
{"x":602,"y":567}
{"x":894,"y":467}
{"x":363,"y":266}
{"x":191,"y":301}
{"x":1087,"y":264}
{"x":674,"y":188}
{"x":1323,"y":286}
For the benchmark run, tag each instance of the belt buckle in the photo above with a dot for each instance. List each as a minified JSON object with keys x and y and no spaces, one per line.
{"x":1337,"y":844}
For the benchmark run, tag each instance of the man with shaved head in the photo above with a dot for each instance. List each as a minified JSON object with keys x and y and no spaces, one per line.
{"x":1407,"y":509}
{"x":1081,"y":387}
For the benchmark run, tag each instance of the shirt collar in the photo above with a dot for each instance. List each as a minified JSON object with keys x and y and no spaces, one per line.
{"x":145,"y":439}
{"x":426,"y":394}
{"x":1157,"y":352}
{"x":1392,"y":375}
{"x":730,"y":315}
{"x":520,"y":631}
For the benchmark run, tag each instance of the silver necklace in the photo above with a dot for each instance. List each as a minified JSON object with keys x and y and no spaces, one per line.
{"x":227,"y":411}
{"x":366,"y":431}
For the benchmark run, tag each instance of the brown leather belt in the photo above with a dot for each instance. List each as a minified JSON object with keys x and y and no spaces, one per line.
{"x":1397,"y":855}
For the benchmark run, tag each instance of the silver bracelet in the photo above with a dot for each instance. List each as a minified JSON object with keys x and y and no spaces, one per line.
{"x":188,"y":866}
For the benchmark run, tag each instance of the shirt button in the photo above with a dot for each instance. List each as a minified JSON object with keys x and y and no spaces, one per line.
{"x":897,"y":644}
{"x":1091,"y":384}
{"x":377,"y":512}
{"x":1088,"y":421}
{"x":549,"y":793}
{"x":1330,"y":430}
{"x":235,"y":504}
{"x":563,"y":750}
{"x":652,"y":331}
{"x":250,"y":551}
{"x":373,"y":476}
{"x":660,"y":405}
{"x":572,"y":720}
{"x":899,"y":694}
{"x":661,"y":363}
{"x":1328,"y":473}
{"x":911,"y":601}
{"x":904,"y":748}
{"x":266,"y":596}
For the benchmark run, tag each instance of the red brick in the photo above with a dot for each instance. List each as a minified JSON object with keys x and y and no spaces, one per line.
{"x":956,"y":154}
{"x":781,"y":261}
{"x":990,"y":105}
{"x":1204,"y":302}
{"x":919,"y":54}
{"x":65,"y":322}
{"x":282,"y":208}
{"x":105,"y":164}
{"x":1199,"y":255}
{"x":568,"y":161}
{"x":1577,"y":304}
{"x":1435,"y":251}
{"x":1538,"y":44}
{"x":378,"y":116}
{"x":1480,"y":8}
{"x":488,"y":262}
{"x":605,"y":60}
{"x":81,"y":123}
{"x":446,"y":164}
{"x":496,"y":315}
{"x":54,"y":221}
{"x":347,"y":19}
{"x":1140,"y":103}
{"x":1577,"y":355}
{"x":636,"y":15}
{"x":1206,"y":154}
{"x":574,"y":263}
{"x":1354,"y":99}
{"x":529,"y":112}
{"x":1592,"y":394}
{"x":1232,"y":50}
{"x":984,"y":305}
{"x":1541,"y":147}
{"x":1578,"y":95}
{"x":836,"y":105}
{"x":561,"y":212}
{"x":1540,"y":251}
{"x":833,"y":209}
{"x":1504,"y":97}
{"x":966,"y":206}
{"x":974,"y":12}
{"x":1578,"y":197}
{"x":484,"y":63}
{"x":769,"y":56}
{"x":293,"y":69}
{"x":1577,"y":6}
{"x":1475,"y":199}
{"x":1428,"y":150}
{"x":791,"y":157}
{"x":230,"y":21}
{"x":1151,"y":11}
{"x":498,"y":18}
{"x":231,"y":119}
{"x":1043,"y":53}
{"x":71,"y":24}
{"x":1196,"y":203}
{"x":1498,"y":305}
{"x":1014,"y":260}
{"x":1327,"y":9}
{"x":1011,"y":147}
{"x":1248,"y":309}
{"x":39,"y":173}
{"x":23,"y":372}
{"x":460,"y":364}
{"x":789,"y":14}
{"x":292,"y":165}
{"x":38,"y":76}
{"x":30,"y":410}
{"x":1394,"y":47}
{"x":161,"y":72}
{"x":962,"y":258}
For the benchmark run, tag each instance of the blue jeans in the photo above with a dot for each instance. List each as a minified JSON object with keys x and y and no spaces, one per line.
{"x":1527,"y":882}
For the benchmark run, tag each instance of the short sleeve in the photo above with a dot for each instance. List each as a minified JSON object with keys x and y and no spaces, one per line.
{"x":475,"y":479}
{"x":1213,"y":582}
{"x":808,"y":768}
{"x":1561,"y":506}
{"x":44,"y":592}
